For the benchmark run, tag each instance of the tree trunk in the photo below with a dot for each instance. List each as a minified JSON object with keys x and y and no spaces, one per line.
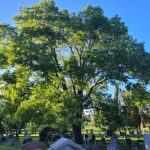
{"x":17,"y":135}
{"x":116,"y":95}
{"x":77,"y":133}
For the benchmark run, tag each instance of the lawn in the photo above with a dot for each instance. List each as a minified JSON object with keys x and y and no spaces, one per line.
{"x":122,"y":144}
{"x":35,"y":137}
{"x":17,"y":145}
{"x":7,"y":146}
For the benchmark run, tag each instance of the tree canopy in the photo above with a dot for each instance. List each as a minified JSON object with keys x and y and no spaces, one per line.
{"x":56,"y":61}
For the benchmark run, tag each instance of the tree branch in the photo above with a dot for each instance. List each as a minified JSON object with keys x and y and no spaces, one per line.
{"x":79,"y":53}
{"x":73,"y":86}
{"x":96,"y":107}
{"x":98,"y":82}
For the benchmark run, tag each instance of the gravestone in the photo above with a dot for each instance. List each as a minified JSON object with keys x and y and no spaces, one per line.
{"x":87,"y":131}
{"x":98,"y":142}
{"x":99,"y":132}
{"x":103,"y":140}
{"x":86,"y":139}
{"x":128,"y":142}
{"x":10,"y":136}
{"x":147,"y":141}
{"x":122,"y":134}
{"x":25,"y":132}
{"x":93,"y":138}
{"x":91,"y":131}
{"x":86,"y":147}
{"x":90,"y":142}
{"x":113,"y":145}
{"x":135,"y":146}
{"x":32,"y":146}
{"x":65,"y":144}
{"x":27,"y":139}
{"x":99,"y":145}
{"x":131,"y":133}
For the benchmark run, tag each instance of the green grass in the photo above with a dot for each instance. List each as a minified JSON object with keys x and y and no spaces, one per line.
{"x":7,"y":146}
{"x":35,"y":137}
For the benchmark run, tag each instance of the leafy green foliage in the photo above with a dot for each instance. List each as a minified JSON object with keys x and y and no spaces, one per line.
{"x":56,"y":60}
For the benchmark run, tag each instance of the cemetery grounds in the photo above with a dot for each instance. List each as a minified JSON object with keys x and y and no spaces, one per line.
{"x":122,"y":145}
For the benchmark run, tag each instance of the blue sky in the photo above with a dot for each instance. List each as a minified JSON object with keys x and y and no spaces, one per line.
{"x":135,"y":13}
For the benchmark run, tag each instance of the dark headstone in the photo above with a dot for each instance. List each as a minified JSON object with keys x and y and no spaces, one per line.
{"x":86,"y":139}
{"x":103,"y":140}
{"x":91,"y":131}
{"x":90,"y":141}
{"x":87,"y":131}
{"x":131,"y":132}
{"x":98,"y":142}
{"x":122,"y":134}
{"x":93,"y":138}
{"x":10,"y":136}
{"x":128,"y":142}
{"x":27,"y":140}
{"x":3,"y":138}
{"x":135,"y":146}
{"x":32,"y":146}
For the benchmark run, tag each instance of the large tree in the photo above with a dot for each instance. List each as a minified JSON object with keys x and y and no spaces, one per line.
{"x":73,"y":54}
{"x":14,"y":89}
{"x":136,"y":106}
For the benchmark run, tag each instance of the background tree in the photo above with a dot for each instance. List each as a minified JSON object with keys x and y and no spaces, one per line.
{"x":15,"y":88}
{"x":108,"y":114}
{"x":135,"y":101}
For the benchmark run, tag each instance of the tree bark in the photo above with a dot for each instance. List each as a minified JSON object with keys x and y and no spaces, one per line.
{"x":77,"y":130}
{"x":116,"y":95}
{"x":77,"y":134}
{"x":17,"y":135}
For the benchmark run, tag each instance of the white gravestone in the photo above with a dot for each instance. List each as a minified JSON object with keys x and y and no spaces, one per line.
{"x":65,"y":144}
{"x":147,"y":141}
